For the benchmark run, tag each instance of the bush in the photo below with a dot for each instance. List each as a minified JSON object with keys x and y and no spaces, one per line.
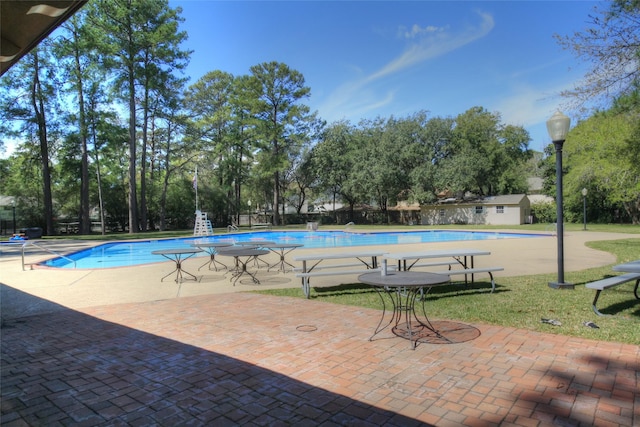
{"x":544,"y":212}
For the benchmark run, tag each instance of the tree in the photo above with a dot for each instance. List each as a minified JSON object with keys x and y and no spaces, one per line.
{"x":486,"y":157}
{"x":74,"y":48}
{"x":282,"y":121}
{"x":613,"y":182}
{"x":219,"y":126}
{"x":382,"y":171}
{"x":335,"y":158}
{"x":30,"y":111}
{"x":141,"y":44}
{"x":303,"y":179}
{"x":430,"y":151}
{"x":612,"y":45}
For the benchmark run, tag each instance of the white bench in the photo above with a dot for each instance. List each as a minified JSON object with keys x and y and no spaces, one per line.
{"x":261,"y":225}
{"x":610,"y":282}
{"x":367,"y":261}
{"x":472,"y":271}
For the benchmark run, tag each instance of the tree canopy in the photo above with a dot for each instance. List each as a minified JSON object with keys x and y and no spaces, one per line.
{"x":106,"y":130}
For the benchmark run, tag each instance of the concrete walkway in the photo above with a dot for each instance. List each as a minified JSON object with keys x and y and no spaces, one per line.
{"x":141,"y":352}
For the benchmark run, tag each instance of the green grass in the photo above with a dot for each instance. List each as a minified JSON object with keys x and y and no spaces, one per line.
{"x":521,"y":301}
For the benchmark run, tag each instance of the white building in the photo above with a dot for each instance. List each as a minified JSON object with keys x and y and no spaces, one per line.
{"x":513,"y":209}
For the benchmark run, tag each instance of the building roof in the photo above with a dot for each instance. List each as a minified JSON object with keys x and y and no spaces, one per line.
{"x":25,"y":23}
{"x":507,"y":199}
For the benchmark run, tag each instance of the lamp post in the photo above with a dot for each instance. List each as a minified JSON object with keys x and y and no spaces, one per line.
{"x":558,"y":127}
{"x":584,"y":207}
{"x":249,"y":203}
{"x":13,"y":205}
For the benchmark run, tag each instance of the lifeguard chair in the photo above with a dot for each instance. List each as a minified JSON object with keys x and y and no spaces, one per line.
{"x":202,"y":225}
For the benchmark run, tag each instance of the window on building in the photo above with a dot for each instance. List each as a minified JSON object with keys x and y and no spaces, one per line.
{"x":500,"y":209}
{"x":479,"y":209}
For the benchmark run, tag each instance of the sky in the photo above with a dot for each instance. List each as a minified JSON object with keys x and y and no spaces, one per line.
{"x":368,"y":59}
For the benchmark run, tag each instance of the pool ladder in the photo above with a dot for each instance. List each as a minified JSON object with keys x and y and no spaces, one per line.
{"x":44,"y":248}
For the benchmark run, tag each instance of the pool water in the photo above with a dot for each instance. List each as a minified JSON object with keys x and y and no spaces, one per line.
{"x":123,"y":254}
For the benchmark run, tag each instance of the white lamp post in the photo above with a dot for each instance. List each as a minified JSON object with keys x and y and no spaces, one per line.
{"x":584,"y":207}
{"x":249,"y":203}
{"x":558,"y":127}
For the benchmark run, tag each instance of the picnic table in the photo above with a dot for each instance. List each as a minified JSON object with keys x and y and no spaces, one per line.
{"x":368,"y":259}
{"x":632,"y":273}
{"x":462,"y":257}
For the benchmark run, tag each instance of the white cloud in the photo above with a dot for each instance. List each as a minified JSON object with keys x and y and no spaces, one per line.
{"x":416,"y":30}
{"x":432,"y":45}
{"x":530,"y":107}
{"x":427,"y":43}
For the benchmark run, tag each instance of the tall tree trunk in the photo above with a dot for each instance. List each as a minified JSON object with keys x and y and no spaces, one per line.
{"x":38,"y":108}
{"x":133,"y":197}
{"x":276,"y":199}
{"x":143,"y":162}
{"x":85,"y":219}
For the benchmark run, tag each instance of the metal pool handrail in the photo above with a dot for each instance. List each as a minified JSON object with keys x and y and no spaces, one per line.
{"x":52,"y":252}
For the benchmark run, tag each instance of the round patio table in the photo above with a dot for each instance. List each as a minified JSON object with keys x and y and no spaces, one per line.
{"x":178,"y":256}
{"x":212,"y":249}
{"x":242,"y":257}
{"x":403,"y":288}
{"x":257,"y":244}
{"x":282,"y":249}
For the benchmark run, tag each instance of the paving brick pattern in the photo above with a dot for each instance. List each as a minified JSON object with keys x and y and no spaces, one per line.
{"x":246,"y":359}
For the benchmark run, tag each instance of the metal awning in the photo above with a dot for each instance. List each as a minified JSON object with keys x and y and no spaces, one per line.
{"x":25,"y":23}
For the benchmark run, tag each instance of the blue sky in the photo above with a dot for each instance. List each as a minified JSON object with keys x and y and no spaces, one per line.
{"x":364,"y":59}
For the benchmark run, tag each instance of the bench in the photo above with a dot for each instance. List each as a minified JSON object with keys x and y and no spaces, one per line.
{"x":610,"y":282}
{"x":261,"y":225}
{"x":435,"y":264}
{"x":467,"y":271}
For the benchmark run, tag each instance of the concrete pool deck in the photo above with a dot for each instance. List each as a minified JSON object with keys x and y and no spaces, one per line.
{"x":85,"y":288}
{"x":119,"y":347}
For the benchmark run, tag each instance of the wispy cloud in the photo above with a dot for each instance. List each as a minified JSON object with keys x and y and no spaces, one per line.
{"x":531,"y":107}
{"x":425,"y":43}
{"x":417,"y":31}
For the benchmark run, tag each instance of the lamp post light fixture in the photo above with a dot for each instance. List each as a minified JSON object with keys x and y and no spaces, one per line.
{"x":558,"y":127}
{"x":584,"y":208}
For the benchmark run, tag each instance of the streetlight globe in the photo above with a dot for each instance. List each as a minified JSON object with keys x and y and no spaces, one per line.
{"x":558,"y":126}
{"x":584,"y":192}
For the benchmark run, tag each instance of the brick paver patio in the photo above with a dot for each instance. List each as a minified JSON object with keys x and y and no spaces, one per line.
{"x":247,"y":359}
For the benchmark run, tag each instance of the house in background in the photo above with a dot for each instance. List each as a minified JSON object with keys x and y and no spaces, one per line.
{"x":512,"y":209}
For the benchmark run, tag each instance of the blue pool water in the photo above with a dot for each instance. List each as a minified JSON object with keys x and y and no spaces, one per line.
{"x":122,"y":254}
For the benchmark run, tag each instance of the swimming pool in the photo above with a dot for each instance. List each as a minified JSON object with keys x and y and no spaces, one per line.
{"x":123,"y":254}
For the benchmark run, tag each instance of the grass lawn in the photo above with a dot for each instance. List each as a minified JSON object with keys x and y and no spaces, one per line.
{"x":521,"y":301}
